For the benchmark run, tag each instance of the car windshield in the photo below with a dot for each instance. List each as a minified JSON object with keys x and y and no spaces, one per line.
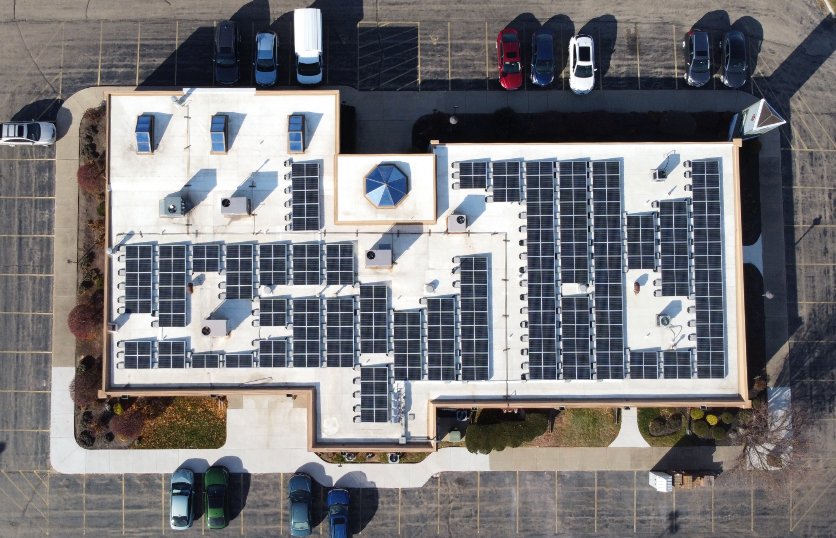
{"x":216,"y":522}
{"x":180,"y":488}
{"x":584,"y":54}
{"x":309,"y":70}
{"x":543,"y":65}
{"x":509,"y":38}
{"x":34,"y":133}
{"x":264,"y":64}
{"x":300,"y":526}
{"x":180,"y":521}
{"x":511,"y":68}
{"x":216,"y":496}
{"x":583,"y":71}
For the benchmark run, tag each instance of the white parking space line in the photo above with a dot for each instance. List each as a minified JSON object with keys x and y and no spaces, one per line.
{"x":712,"y":506}
{"x":487,"y":65}
{"x":517,"y":503}
{"x":419,"y":55}
{"x":99,"y":71}
{"x":281,"y":502}
{"x":176,"y":47}
{"x":138,"y":40}
{"x":478,"y":473}
{"x":449,"y":60}
{"x":555,"y":502}
{"x":123,"y":504}
{"x":61,"y":68}
{"x":399,"y":511}
{"x":84,"y":505}
{"x":438,"y":506}
{"x":595,"y":519}
{"x":635,"y":504}
{"x":162,"y":502}
{"x":638,"y":63}
{"x":675,"y":54}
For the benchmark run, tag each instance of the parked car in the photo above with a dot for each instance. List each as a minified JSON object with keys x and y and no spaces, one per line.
{"x":697,"y":57}
{"x":227,"y":40}
{"x":542,"y":58}
{"x":338,"y":513}
{"x":582,"y":64}
{"x":27,"y":133}
{"x":181,"y":513}
{"x":307,"y":44}
{"x":266,"y":64}
{"x":508,"y":57}
{"x":735,"y":62}
{"x":299,"y":497}
{"x":215,"y":496}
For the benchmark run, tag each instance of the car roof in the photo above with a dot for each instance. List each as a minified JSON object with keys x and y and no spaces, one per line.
{"x":179,"y":505}
{"x":700,"y":40}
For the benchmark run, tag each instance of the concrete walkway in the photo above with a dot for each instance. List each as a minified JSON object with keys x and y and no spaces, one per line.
{"x":629,"y":435}
{"x":253,"y":445}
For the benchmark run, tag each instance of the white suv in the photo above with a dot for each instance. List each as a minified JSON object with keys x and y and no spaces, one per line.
{"x":27,"y":133}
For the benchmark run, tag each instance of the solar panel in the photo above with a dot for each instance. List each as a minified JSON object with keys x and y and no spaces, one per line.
{"x":574,"y":337}
{"x":339,"y":331}
{"x":239,"y":271}
{"x":272,"y":264}
{"x":137,"y":354}
{"x":676,"y":364}
{"x":506,"y":181}
{"x":644,"y":365}
{"x":542,"y":291}
{"x":305,"y":191}
{"x":441,"y":338}
{"x":306,"y":264}
{"x":296,"y":133}
{"x":238,"y":360}
{"x":574,"y":222}
{"x":272,"y":312}
{"x":172,"y":286}
{"x":339,"y":264}
{"x":272,"y":353}
{"x":206,"y":360}
{"x":406,"y":340}
{"x":139,"y":278}
{"x":475,"y":317}
{"x":374,"y":318}
{"x":206,"y":258}
{"x":673,"y":226}
{"x":708,"y":269}
{"x":641,"y":241}
{"x":374,"y":394}
{"x":171,"y":354}
{"x":473,"y":175}
{"x":306,"y":333}
{"x":609,"y":273}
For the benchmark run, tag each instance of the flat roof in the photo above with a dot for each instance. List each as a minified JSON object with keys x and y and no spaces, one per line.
{"x":547,"y":316}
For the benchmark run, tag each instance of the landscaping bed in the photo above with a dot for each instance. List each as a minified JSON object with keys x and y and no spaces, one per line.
{"x":579,"y":428}
{"x":345,"y":458}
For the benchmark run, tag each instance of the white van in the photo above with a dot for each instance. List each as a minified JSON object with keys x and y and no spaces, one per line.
{"x":307,"y":40}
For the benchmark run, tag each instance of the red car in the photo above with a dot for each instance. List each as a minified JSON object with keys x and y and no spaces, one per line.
{"x":508,"y":57}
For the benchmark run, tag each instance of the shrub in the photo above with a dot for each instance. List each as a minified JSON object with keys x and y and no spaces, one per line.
{"x":711,"y":419}
{"x":85,"y":321}
{"x":700,"y":428}
{"x":484,"y":438}
{"x":86,"y":439}
{"x":117,"y":408}
{"x":90,"y":178}
{"x":726,"y":417}
{"x":661,"y":425}
{"x":719,"y":433}
{"x":84,"y":388}
{"x":127,"y":426}
{"x":697,"y":413}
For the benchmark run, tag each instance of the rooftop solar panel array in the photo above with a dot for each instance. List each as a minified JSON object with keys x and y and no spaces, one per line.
{"x":475,"y":316}
{"x":406,"y":342}
{"x":138,"y":354}
{"x":644,"y":365}
{"x":708,"y":269}
{"x":441,"y":338}
{"x":238,"y":360}
{"x":206,"y":360}
{"x":304,"y":179}
{"x":272,"y":264}
{"x":139,"y":278}
{"x":374,"y":394}
{"x":306,"y":264}
{"x":206,"y":258}
{"x":574,"y":223}
{"x":272,"y":312}
{"x":339,"y":331}
{"x":673,"y":225}
{"x":273,"y":354}
{"x":239,"y":271}
{"x":374,"y":318}
{"x":609,"y":275}
{"x":171,"y":354}
{"x":542,"y":289}
{"x":641,"y":241}
{"x":172,"y":286}
{"x":339,"y":264}
{"x":307,"y":340}
{"x":506,"y":181}
{"x":473,"y":175}
{"x":677,"y":364}
{"x":574,"y":337}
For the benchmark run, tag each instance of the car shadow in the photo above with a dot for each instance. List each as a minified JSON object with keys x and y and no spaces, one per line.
{"x":562,"y":29}
{"x":604,"y":30}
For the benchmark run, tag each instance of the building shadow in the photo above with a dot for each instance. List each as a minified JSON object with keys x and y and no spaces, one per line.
{"x":364,"y":499}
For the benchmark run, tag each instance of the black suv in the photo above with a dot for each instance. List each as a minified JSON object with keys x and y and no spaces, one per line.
{"x":697,"y":47}
{"x":227,"y":40}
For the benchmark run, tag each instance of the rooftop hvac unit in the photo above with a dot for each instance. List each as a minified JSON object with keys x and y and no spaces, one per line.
{"x":457,"y":223}
{"x":658,"y":174}
{"x":663,"y":320}
{"x":235,"y":206}
{"x":174,"y":206}
{"x":381,"y":257}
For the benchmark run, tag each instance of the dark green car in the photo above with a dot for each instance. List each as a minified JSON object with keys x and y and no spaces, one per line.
{"x":215,"y":486}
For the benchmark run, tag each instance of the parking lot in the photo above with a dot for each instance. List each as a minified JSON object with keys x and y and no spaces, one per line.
{"x":48,"y":56}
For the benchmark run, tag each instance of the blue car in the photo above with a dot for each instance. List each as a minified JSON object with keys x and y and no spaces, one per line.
{"x":299,"y":497}
{"x":338,"y":513}
{"x":542,"y":58}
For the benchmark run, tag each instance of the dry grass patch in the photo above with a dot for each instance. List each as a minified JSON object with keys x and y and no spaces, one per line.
{"x":580,"y":427}
{"x":187,"y":423}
